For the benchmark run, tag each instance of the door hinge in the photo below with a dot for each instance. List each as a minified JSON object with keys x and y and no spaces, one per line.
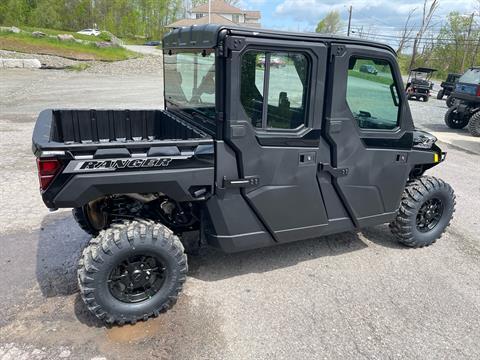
{"x":241,"y":183}
{"x":335,"y":172}
{"x":337,"y":50}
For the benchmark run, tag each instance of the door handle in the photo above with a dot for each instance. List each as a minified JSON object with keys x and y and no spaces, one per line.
{"x":335,"y":172}
{"x":306,"y":158}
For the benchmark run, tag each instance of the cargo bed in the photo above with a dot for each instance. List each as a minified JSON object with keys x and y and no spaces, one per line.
{"x":96,"y":129}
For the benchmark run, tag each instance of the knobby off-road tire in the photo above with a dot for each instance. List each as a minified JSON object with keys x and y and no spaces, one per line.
{"x":450,"y":101}
{"x":81,"y":217}
{"x":120,"y":247}
{"x":454,"y":120}
{"x":440,"y":95}
{"x":474,"y":124}
{"x":419,"y":196}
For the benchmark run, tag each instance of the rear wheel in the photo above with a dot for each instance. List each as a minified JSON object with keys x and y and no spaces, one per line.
{"x":474,"y":124}
{"x":440,"y":95}
{"x":84,"y":220}
{"x":455,"y":119}
{"x":426,"y":208}
{"x":132,"y":271}
{"x":425,"y":98}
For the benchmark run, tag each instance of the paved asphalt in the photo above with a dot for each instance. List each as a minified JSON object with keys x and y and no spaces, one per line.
{"x":348,"y":296}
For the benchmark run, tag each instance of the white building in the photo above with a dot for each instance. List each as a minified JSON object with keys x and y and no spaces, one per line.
{"x":220,"y":13}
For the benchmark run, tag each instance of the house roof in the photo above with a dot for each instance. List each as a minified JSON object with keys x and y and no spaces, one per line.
{"x":214,"y":19}
{"x":253,"y":14}
{"x":217,"y":6}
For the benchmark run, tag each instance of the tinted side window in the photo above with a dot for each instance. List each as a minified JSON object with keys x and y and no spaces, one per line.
{"x":274,"y":89}
{"x":371,"y":94}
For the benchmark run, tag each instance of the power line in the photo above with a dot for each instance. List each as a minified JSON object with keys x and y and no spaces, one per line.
{"x":424,"y":39}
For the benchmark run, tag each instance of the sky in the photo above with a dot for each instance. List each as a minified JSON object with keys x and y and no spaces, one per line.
{"x":381,"y":18}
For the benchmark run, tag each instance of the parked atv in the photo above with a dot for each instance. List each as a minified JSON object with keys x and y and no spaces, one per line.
{"x":242,"y":157}
{"x":466,"y":110}
{"x":448,"y":86}
{"x":419,"y":84}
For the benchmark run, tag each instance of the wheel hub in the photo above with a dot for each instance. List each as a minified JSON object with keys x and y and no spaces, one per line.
{"x":137,"y":278}
{"x":429,"y":215}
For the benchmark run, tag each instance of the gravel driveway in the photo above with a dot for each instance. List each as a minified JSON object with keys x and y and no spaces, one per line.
{"x":352,"y":295}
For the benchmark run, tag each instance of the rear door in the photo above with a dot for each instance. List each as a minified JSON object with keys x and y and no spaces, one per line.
{"x":368,"y":125}
{"x":274,"y":109}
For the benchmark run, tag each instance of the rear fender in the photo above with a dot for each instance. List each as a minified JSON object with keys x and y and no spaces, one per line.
{"x":177,"y":184}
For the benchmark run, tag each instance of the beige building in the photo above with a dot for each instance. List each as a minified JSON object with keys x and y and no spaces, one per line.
{"x":220,"y":13}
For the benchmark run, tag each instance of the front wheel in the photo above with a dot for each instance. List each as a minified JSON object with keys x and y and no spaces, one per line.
{"x":440,"y":95}
{"x":426,"y":209}
{"x":455,"y":119}
{"x":132,"y":271}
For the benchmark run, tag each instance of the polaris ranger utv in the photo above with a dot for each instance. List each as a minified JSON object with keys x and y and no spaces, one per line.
{"x":244,"y":156}
{"x":466,"y":109}
{"x":448,"y":86}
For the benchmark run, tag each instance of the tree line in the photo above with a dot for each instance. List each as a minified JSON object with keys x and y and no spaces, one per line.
{"x":449,"y":47}
{"x":123,"y":18}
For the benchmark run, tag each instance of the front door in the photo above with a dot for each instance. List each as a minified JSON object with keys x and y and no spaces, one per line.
{"x":368,"y":125}
{"x":274,"y":109}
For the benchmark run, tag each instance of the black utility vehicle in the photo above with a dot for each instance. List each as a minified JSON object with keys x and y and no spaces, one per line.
{"x":448,"y":86}
{"x":466,"y":110}
{"x":419,"y":84}
{"x":243,"y":156}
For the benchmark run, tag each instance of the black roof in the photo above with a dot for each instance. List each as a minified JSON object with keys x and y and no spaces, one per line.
{"x":206,"y":36}
{"x":424,"y":70}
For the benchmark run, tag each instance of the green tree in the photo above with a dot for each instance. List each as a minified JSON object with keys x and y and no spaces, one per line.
{"x":331,"y":23}
{"x":48,"y":14}
{"x":17,"y":12}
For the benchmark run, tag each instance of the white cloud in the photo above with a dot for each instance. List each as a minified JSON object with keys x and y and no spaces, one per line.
{"x":373,"y":12}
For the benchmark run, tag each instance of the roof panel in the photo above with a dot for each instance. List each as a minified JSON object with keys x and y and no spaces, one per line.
{"x":208,"y":34}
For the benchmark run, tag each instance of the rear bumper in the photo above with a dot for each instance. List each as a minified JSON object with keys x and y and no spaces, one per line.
{"x":466,"y":97}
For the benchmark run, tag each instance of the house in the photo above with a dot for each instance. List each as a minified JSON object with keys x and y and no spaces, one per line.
{"x":220,"y":13}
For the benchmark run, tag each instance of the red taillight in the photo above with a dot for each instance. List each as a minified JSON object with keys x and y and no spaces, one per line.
{"x":478,"y":90}
{"x":47,"y":169}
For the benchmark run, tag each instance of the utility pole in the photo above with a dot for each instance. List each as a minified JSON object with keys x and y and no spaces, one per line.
{"x":474,"y":58}
{"x":467,"y":42}
{"x":209,"y":10}
{"x":349,"y":19}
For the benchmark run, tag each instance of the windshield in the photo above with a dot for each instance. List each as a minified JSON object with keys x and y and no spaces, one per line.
{"x":472,"y":76}
{"x":190,"y":82}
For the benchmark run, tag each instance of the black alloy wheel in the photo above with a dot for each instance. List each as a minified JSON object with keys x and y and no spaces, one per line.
{"x":429,"y":215}
{"x":137,"y":278}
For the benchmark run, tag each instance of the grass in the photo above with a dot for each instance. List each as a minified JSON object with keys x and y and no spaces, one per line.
{"x":57,"y":32}
{"x":78,"y":67}
{"x":133,"y":40}
{"x":26,"y":43}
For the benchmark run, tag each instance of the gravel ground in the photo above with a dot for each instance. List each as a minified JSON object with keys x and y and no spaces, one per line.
{"x":144,"y":64}
{"x":348,"y":296}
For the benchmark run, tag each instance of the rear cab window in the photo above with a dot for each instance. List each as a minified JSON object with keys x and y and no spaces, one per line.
{"x":471,"y":76}
{"x":189,"y":78}
{"x":372,"y":94}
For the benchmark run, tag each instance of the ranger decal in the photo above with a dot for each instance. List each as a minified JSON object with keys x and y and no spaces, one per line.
{"x":94,"y":165}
